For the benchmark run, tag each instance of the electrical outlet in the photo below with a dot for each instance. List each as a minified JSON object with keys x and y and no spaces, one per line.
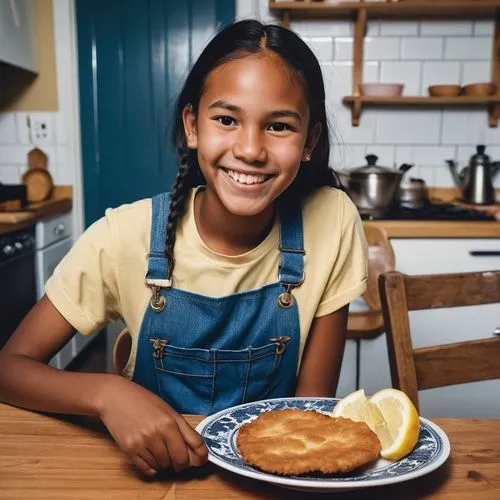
{"x":41,"y":129}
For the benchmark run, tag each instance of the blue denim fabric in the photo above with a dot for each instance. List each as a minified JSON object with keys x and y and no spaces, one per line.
{"x":218,"y":352}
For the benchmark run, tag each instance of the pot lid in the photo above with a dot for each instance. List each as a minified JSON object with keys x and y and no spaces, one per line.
{"x":372,"y":168}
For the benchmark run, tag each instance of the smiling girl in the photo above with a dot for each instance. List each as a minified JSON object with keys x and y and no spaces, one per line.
{"x":234,"y":286}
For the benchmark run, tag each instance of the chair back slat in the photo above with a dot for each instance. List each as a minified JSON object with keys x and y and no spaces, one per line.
{"x":458,"y":363}
{"x":452,"y":290}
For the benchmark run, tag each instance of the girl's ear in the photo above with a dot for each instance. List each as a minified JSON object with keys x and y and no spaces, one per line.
{"x":312,"y":140}
{"x":189,"y":121}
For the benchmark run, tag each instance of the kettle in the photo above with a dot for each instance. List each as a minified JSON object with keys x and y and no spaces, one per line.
{"x":476,"y":180}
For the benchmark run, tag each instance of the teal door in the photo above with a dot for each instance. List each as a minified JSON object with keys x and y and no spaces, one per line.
{"x":133,"y":56}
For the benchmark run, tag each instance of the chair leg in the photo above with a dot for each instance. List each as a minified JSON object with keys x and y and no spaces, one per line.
{"x":358,"y":357}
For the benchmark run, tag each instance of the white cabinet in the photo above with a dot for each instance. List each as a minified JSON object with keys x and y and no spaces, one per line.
{"x":17,"y":33}
{"x":433,"y":256}
{"x":446,"y":255}
{"x":53,"y":242}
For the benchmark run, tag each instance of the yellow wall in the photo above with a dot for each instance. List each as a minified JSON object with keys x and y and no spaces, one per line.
{"x":24,"y":91}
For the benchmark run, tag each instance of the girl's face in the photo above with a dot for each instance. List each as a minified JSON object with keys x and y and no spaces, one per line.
{"x":250,"y":132}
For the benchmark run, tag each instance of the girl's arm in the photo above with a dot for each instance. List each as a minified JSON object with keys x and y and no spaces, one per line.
{"x":320,"y":368}
{"x":25,"y":378}
{"x":148,"y":430}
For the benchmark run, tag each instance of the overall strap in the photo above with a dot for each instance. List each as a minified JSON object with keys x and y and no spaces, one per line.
{"x":158,"y":273}
{"x":291,"y":270}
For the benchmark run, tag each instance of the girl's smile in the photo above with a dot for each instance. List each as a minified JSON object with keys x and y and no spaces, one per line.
{"x":248,"y":179}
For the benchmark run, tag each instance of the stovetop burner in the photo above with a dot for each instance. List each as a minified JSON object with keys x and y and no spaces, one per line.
{"x":432,"y":212}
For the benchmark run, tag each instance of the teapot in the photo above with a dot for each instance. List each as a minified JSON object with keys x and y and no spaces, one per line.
{"x":373,"y":188}
{"x":476,"y":180}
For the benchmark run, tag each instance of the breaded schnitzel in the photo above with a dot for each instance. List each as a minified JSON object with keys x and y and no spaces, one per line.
{"x":292,"y":442}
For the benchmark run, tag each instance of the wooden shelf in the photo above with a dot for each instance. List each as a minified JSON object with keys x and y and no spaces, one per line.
{"x":361,"y":12}
{"x":380,"y":10}
{"x":358,"y":101}
{"x":423,"y":100}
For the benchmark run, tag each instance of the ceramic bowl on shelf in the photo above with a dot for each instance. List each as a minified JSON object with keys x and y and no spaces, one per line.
{"x":444,"y":90}
{"x":381,"y":89}
{"x":479,"y":89}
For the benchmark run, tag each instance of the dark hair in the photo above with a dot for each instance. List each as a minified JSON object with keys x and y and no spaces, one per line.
{"x":236,"y":41}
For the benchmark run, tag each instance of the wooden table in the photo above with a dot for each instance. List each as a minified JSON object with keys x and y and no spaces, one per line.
{"x":74,"y":458}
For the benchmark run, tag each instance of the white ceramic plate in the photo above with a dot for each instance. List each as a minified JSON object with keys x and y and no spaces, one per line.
{"x":220,"y":430}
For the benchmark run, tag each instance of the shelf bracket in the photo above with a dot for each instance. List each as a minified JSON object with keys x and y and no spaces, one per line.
{"x":285,"y":21}
{"x":355,"y":112}
{"x":357,"y":67}
{"x":494,"y":108}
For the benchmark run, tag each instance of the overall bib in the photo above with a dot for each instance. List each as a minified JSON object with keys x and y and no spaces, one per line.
{"x":203,"y":354}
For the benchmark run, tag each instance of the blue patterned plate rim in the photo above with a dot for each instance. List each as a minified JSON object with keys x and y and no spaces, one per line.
{"x":219,"y":432}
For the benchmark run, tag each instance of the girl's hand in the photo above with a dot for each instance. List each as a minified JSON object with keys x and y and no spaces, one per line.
{"x":148,"y":430}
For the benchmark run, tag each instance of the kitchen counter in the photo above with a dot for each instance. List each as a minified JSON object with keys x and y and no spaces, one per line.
{"x":438,"y":229}
{"x":60,"y":202}
{"x":442,"y":228}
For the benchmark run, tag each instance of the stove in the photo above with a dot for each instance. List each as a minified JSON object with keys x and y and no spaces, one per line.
{"x":432,"y":212}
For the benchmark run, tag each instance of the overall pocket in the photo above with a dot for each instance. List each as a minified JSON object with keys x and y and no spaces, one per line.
{"x":204,"y":381}
{"x":185,"y":378}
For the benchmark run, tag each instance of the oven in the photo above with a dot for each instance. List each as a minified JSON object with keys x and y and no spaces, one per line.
{"x":17,"y":279}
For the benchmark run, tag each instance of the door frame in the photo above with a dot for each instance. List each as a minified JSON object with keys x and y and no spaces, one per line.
{"x":64,"y":19}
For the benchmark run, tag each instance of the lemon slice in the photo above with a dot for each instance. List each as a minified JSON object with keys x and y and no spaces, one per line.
{"x":360,"y":409}
{"x":401,"y":418}
{"x":389,"y":413}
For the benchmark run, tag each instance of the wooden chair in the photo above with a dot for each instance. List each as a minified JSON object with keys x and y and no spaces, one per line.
{"x":440,"y":365}
{"x":121,"y":351}
{"x":370,"y":323}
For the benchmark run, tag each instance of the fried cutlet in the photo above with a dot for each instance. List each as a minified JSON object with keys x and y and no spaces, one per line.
{"x":293,"y":442}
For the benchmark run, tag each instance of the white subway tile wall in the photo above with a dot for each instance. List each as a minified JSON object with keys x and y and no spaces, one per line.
{"x":408,"y":73}
{"x":475,"y":71}
{"x":16,"y":140}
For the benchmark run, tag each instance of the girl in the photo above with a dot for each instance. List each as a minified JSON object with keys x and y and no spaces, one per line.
{"x":234,"y":288}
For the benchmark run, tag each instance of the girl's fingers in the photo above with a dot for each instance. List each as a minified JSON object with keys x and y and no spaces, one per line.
{"x":194,"y":459}
{"x":158,"y":449}
{"x":193,"y":440}
{"x":149,"y":458}
{"x":177,"y":447}
{"x":143,"y":466}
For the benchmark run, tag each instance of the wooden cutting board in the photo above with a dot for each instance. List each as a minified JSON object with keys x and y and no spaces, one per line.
{"x":14,"y":217}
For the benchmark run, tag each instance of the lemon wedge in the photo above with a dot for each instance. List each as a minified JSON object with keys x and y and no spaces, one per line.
{"x":402,"y":421}
{"x":389,"y":413}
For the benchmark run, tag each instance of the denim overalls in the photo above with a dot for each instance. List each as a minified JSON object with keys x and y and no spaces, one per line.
{"x":203,"y":354}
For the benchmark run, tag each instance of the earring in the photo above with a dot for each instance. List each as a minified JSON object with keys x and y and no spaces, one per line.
{"x":307,"y":156}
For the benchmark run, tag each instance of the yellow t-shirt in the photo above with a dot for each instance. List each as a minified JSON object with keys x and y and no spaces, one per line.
{"x":102,"y":278}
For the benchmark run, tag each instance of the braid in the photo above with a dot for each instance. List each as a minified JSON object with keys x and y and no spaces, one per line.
{"x":178,"y":197}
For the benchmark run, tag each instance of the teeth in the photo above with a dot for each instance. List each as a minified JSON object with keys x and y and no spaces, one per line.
{"x":246,"y":178}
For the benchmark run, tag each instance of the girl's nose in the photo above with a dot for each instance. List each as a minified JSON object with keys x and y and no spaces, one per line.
{"x":249,"y":147}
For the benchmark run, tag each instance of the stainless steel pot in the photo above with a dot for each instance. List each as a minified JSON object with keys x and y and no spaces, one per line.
{"x":413,"y":194}
{"x":371,"y":187}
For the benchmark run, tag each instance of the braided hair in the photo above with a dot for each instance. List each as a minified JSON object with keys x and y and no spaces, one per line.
{"x":178,"y":196}
{"x":237,"y":41}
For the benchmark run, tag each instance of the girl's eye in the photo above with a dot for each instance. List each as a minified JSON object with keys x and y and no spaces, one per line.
{"x":227,"y":121}
{"x":279,"y":127}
